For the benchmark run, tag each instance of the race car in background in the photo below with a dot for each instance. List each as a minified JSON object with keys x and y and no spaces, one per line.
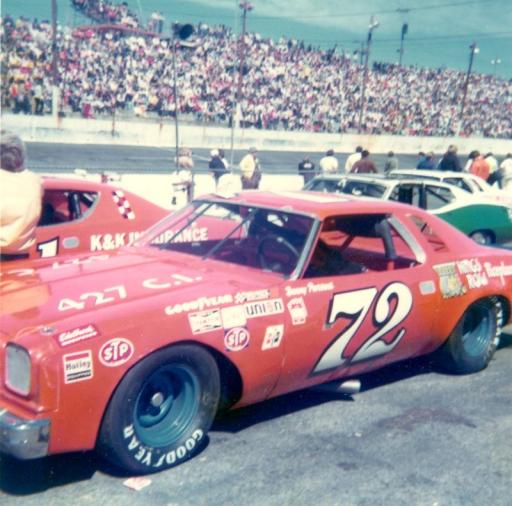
{"x":228,"y":302}
{"x":80,"y":215}
{"x":464,"y":180}
{"x":483,"y":220}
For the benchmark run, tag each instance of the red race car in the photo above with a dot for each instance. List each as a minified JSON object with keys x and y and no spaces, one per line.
{"x":80,"y":216}
{"x":226,"y":303}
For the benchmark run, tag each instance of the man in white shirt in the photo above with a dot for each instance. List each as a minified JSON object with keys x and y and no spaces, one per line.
{"x":21,"y":194}
{"x":329,"y":163}
{"x":353,"y":158}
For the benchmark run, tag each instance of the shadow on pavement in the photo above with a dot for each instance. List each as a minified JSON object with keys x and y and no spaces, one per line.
{"x":243,"y":418}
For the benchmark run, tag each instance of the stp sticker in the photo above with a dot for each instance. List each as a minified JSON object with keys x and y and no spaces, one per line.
{"x":273,"y":336}
{"x":116,"y":352}
{"x":237,"y":339}
{"x":77,"y":366}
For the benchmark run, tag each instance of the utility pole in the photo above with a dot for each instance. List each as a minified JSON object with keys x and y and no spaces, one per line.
{"x":405,"y":28}
{"x":237,"y":110}
{"x":373,"y":24}
{"x":55,"y":68}
{"x":473,"y":50}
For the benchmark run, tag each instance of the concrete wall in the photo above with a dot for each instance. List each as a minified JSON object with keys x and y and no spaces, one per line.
{"x":152,"y":133}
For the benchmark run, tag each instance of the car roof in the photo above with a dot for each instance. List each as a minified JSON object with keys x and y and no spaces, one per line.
{"x":75,"y":183}
{"x":431,"y":173}
{"x":318,"y":204}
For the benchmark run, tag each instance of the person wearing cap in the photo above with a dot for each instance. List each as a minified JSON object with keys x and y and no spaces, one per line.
{"x":21,"y":195}
{"x":216,"y":165}
{"x":250,"y":170}
{"x":329,"y":163}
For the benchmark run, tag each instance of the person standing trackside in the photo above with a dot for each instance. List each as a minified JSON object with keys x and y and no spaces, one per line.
{"x":306,"y":169}
{"x":250,"y":169}
{"x":479,"y":167}
{"x":391,"y":162}
{"x":494,"y":171}
{"x":353,"y":158}
{"x":427,"y":162}
{"x":216,"y":166}
{"x":506,"y":173}
{"x":21,"y":195}
{"x":329,"y":163}
{"x":365,"y":165}
{"x":450,"y":161}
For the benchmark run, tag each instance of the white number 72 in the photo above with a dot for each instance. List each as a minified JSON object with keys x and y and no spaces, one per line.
{"x":355,"y":306}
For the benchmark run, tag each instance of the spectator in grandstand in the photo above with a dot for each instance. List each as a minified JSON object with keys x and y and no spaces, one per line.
{"x":365,"y":165}
{"x":250,"y":170}
{"x":494,"y":170}
{"x":427,"y":162}
{"x":329,"y":163}
{"x":479,"y":166}
{"x":506,"y":172}
{"x":391,"y":162}
{"x":216,"y":165}
{"x":307,"y":169}
{"x":450,"y":161}
{"x":21,"y":193}
{"x":353,"y":158}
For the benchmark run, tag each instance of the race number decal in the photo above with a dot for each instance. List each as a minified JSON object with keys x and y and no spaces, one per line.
{"x":392,"y":306}
{"x":49,"y":248}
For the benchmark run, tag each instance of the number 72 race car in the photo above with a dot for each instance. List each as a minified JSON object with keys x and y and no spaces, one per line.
{"x":226,"y":303}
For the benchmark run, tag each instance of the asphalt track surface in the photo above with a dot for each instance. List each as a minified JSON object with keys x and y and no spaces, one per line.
{"x":129,"y":159}
{"x":412,"y":436}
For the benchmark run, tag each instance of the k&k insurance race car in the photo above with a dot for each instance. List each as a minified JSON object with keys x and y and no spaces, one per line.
{"x":80,"y":216}
{"x":228,"y":302}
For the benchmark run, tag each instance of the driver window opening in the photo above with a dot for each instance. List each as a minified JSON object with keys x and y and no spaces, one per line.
{"x":357,"y":244}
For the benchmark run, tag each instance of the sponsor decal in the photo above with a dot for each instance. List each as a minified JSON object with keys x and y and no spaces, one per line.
{"x":190,"y":234}
{"x":298,"y":311}
{"x":76,"y":335}
{"x":106,"y":242}
{"x":427,"y":287}
{"x":199,"y":304}
{"x":77,"y":366}
{"x":233,"y":316}
{"x":205,"y":321}
{"x":70,"y":242}
{"x":498,"y":271}
{"x":474,"y":272}
{"x":311,"y":287}
{"x":91,"y":299}
{"x":237,"y":339}
{"x":450,"y":283}
{"x":116,"y":352}
{"x":264,"y":308}
{"x":154,"y":457}
{"x":273,"y":336}
{"x":242,"y":297}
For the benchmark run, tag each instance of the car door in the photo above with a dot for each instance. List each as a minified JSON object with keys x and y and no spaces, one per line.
{"x":377,"y":308}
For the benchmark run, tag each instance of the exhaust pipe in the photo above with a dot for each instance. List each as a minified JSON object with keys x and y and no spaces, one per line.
{"x":348,"y":387}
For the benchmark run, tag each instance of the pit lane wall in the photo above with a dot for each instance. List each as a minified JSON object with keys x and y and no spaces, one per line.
{"x":152,"y":133}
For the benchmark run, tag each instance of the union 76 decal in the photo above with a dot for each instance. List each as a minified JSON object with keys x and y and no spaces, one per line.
{"x":392,"y":305}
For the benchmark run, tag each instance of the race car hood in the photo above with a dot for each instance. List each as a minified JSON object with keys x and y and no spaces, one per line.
{"x":33,"y":294}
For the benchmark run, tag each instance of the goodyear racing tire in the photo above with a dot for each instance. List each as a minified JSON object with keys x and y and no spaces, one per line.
{"x":160,"y":413}
{"x":473,"y":342}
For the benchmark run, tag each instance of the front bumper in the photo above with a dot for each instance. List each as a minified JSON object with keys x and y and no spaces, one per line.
{"x":23,"y":439}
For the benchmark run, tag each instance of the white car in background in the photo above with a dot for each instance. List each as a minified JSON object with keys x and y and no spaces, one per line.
{"x":468,"y":182}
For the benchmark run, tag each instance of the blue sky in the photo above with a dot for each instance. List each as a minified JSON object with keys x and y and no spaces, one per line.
{"x":439,"y":34}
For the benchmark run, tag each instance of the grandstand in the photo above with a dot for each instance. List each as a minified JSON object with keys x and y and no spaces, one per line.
{"x":286,"y":86}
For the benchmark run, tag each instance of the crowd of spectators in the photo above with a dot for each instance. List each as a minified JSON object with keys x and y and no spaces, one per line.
{"x":286,"y":84}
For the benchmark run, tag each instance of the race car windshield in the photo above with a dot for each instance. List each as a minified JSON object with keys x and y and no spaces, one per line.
{"x":260,"y":238}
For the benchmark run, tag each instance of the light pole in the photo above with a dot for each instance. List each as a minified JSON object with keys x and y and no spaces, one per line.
{"x":373,"y":24}
{"x":55,"y":69}
{"x":495,"y":62}
{"x":236,"y":110}
{"x":405,"y":28}
{"x":473,"y":50}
